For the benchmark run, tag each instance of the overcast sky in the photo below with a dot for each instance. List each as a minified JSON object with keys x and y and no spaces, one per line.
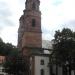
{"x":56,"y":14}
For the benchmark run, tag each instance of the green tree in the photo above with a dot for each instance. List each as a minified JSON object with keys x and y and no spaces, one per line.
{"x":16,"y":65}
{"x":1,"y":40}
{"x":64,"y":46}
{"x":5,"y":48}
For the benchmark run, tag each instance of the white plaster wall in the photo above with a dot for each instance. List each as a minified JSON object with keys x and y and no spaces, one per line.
{"x":38,"y":66}
{"x":1,"y":72}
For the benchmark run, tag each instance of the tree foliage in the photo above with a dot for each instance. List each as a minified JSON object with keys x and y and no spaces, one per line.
{"x":6,"y":48}
{"x":64,"y":46}
{"x":15,"y":63}
{"x":1,"y":40}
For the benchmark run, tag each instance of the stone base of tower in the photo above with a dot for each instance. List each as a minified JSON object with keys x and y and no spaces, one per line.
{"x":26,"y":52}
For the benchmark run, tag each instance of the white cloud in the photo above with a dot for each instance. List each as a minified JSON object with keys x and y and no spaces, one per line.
{"x":9,"y":35}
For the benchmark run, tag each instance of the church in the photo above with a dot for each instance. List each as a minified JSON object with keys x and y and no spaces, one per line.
{"x":30,"y":41}
{"x":30,"y":38}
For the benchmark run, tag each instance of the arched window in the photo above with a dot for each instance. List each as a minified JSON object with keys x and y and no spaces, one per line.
{"x":42,"y":72}
{"x":33,"y":22}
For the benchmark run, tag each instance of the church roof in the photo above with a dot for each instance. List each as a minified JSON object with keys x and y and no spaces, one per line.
{"x":47,"y":44}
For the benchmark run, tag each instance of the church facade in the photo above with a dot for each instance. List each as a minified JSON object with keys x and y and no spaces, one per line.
{"x":30,"y":41}
{"x":29,"y":33}
{"x":30,"y":38}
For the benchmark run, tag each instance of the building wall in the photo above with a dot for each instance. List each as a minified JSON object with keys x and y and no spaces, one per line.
{"x":2,"y":70}
{"x":2,"y":59}
{"x":29,"y":32}
{"x":38,"y":65}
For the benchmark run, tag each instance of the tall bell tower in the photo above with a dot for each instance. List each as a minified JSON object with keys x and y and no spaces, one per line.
{"x":29,"y":32}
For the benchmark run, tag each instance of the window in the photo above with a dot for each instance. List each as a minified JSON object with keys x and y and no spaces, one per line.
{"x":33,"y":6}
{"x":33,"y":22}
{"x":42,"y":62}
{"x":3,"y":70}
{"x":42,"y":72}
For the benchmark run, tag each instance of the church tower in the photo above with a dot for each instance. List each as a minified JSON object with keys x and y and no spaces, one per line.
{"x":30,"y":39}
{"x":29,"y":32}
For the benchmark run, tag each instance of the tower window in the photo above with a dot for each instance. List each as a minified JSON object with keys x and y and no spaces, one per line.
{"x":42,"y":72}
{"x":33,"y":22}
{"x":42,"y":62}
{"x":33,"y":6}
